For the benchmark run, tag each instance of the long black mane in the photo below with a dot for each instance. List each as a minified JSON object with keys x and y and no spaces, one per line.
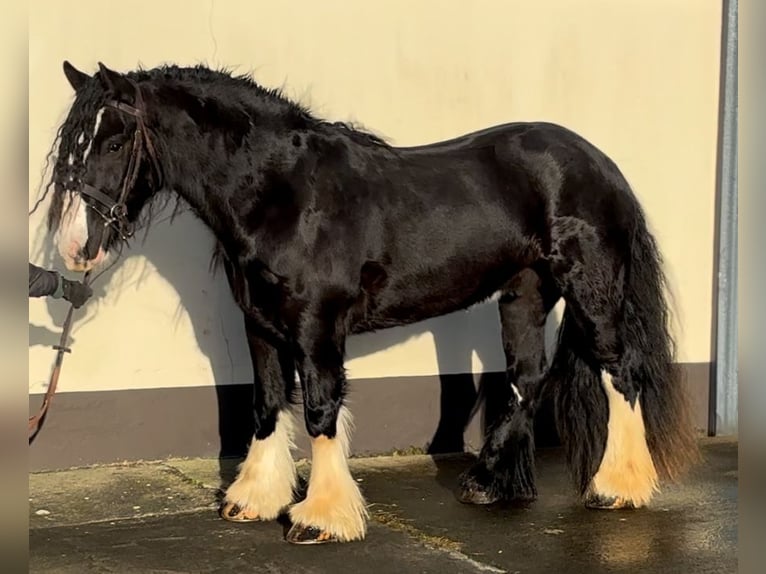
{"x":229,"y":91}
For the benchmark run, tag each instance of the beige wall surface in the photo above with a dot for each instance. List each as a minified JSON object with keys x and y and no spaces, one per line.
{"x":638,"y":78}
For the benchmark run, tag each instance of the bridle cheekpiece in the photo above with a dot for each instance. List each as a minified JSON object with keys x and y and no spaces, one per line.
{"x":116,"y":212}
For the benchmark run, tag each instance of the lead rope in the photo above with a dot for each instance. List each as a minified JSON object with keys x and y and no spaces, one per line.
{"x":35,"y":422}
{"x":61,"y":348}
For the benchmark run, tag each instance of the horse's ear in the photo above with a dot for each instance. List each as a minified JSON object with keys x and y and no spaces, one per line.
{"x":118,"y":85}
{"x":76,"y":78}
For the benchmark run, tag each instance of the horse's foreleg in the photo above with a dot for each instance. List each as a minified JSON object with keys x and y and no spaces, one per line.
{"x":505,"y":469}
{"x":267,"y":478}
{"x":334,"y":509}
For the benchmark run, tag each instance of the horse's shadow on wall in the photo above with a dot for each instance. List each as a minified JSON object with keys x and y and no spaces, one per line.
{"x":181,"y":252}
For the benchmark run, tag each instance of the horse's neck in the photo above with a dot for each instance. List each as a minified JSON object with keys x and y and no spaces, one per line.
{"x":195,"y":175}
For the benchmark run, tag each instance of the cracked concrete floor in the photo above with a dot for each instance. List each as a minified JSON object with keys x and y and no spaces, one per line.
{"x":161,"y":518}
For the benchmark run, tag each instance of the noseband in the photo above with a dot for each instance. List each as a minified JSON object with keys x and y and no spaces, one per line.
{"x":116,"y":212}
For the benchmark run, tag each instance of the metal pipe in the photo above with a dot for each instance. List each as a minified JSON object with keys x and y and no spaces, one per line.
{"x":723,"y":418}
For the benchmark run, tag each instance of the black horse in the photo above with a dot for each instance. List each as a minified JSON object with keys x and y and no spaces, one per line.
{"x":325,"y":231}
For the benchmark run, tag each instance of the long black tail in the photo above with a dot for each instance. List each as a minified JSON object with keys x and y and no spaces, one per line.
{"x":664,"y":397}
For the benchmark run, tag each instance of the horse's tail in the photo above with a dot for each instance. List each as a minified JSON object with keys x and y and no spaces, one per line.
{"x":583,"y":398}
{"x":664,"y":396}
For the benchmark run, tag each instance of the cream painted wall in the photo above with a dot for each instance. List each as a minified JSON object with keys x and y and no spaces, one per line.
{"x":638,"y":78}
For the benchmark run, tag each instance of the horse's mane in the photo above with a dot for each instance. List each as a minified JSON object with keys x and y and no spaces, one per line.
{"x":76,"y":132}
{"x":225,"y":78}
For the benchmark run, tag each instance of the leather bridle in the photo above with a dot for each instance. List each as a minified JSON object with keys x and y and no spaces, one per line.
{"x":116,"y":216}
{"x":115,"y":212}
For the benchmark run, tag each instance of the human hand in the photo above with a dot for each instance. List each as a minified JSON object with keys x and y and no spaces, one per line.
{"x":76,"y":293}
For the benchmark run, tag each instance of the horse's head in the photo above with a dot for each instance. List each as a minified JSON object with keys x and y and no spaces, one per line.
{"x":107,"y":167}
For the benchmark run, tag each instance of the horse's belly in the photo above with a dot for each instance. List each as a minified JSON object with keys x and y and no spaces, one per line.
{"x":421,"y":298}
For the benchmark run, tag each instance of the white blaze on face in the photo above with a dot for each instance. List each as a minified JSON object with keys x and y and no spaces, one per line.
{"x":72,"y":235}
{"x":86,"y":153}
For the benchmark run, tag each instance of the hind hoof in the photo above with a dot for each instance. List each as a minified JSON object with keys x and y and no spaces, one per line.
{"x":477,"y":486}
{"x":300,"y":534}
{"x":601,"y":502}
{"x":473,"y":492}
{"x":234,"y":513}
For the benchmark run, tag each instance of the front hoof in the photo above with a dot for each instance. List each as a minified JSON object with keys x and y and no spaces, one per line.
{"x":473,"y":492}
{"x":235,"y":513}
{"x":300,"y":534}
{"x":602,"y":502}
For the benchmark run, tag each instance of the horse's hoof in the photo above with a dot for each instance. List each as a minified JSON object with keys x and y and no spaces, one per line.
{"x":234,"y":513}
{"x":601,"y":502}
{"x":471,"y":492}
{"x":300,"y":534}
{"x":475,"y":496}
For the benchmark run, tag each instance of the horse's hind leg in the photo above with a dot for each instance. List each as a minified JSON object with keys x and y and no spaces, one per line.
{"x":622,"y":410}
{"x":599,"y":415}
{"x":267,"y":478}
{"x":334,"y":509}
{"x":505,"y":469}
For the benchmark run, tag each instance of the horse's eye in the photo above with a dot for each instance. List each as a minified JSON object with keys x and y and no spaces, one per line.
{"x":115,"y":147}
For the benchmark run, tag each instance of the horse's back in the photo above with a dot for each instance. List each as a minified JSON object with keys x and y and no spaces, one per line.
{"x":547,"y":166}
{"x":445,"y":225}
{"x":511,"y":179}
{"x":490,"y":135}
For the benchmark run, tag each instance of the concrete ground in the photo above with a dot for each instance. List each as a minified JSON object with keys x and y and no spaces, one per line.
{"x":161,"y":518}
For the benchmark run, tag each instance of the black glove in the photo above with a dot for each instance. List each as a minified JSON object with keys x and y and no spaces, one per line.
{"x":76,"y":293}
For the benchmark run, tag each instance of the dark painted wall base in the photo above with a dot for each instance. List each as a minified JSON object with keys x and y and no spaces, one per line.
{"x":399,"y":413}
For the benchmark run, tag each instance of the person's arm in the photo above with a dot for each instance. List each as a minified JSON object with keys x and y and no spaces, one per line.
{"x":43,"y":283}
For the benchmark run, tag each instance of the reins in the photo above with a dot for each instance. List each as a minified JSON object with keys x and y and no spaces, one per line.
{"x":117,"y":217}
